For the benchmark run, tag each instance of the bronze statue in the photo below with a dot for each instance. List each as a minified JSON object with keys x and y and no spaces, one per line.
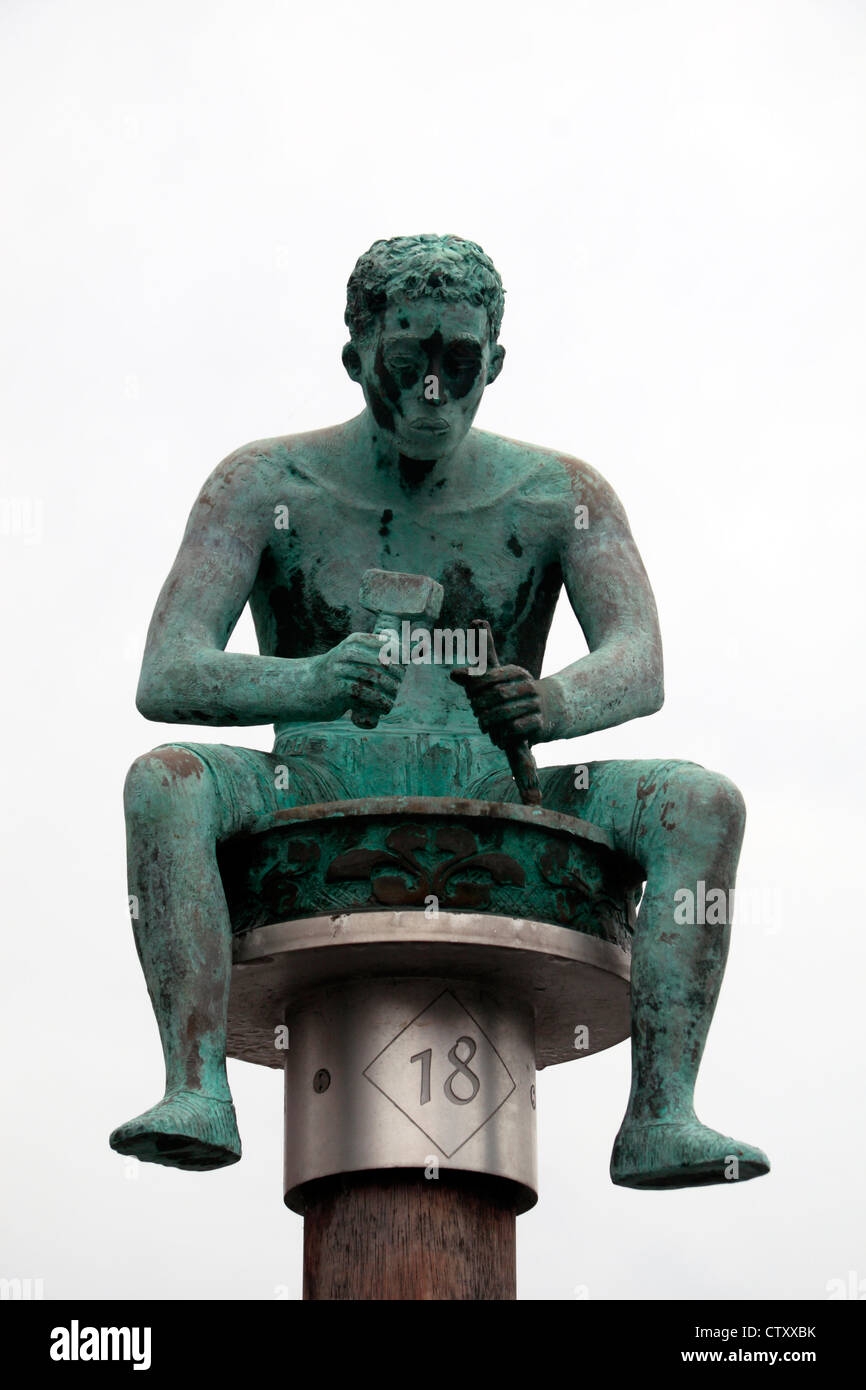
{"x":409,"y":486}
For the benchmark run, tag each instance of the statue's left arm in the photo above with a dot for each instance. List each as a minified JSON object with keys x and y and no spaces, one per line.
{"x":621,"y":678}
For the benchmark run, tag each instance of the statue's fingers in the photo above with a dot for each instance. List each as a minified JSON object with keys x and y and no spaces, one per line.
{"x":529,"y":724}
{"x":482,"y":681}
{"x":379,"y":677}
{"x":362,"y":641}
{"x":508,"y":713}
{"x":391,"y":663}
{"x":371,"y":668}
{"x":381,"y":680}
{"x":500,"y":695}
{"x":497,"y":674}
{"x":366,"y":646}
{"x":369,"y":697}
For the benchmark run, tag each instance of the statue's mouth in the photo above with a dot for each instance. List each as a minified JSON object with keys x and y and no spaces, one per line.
{"x":431,"y":426}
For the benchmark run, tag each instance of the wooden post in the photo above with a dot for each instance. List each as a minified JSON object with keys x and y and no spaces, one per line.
{"x":396,"y":1235}
{"x":410,"y":1046}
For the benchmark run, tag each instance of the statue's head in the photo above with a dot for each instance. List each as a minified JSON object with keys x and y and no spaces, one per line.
{"x":424,"y":314}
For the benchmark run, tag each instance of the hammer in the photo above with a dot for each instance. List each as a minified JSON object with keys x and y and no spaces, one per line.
{"x":392,"y":597}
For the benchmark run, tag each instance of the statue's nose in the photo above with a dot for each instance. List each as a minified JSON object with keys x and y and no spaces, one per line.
{"x":432,"y":391}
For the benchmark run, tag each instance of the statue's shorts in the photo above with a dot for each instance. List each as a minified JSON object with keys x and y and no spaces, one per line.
{"x":337,"y":762}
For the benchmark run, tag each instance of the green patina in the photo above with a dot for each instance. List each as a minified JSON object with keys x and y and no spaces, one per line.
{"x":290,"y":525}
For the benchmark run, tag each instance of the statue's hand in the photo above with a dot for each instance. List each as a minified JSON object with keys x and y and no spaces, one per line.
{"x":507,"y":701}
{"x":353,"y":676}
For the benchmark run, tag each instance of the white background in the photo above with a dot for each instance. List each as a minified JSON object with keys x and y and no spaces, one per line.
{"x":674,"y":195}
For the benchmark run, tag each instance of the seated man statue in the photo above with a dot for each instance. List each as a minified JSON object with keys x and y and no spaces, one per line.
{"x":289,"y":525}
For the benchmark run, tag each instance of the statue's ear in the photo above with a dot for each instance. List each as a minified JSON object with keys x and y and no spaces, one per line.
{"x":352,"y":361}
{"x":497,"y":357}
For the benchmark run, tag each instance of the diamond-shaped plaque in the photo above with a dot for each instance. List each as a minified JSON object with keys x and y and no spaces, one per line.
{"x":444,"y":1074}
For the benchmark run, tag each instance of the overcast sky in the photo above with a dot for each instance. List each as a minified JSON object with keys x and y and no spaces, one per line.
{"x":674,"y":194}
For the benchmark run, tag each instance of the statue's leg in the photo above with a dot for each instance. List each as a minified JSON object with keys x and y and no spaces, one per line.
{"x":180,"y":801}
{"x":684,"y":826}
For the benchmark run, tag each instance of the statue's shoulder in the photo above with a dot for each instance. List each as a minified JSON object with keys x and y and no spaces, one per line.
{"x":268,"y":469}
{"x":544,"y":474}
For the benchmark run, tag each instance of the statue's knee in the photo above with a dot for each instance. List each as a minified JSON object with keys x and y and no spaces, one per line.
{"x":729,"y":802}
{"x":704,"y":806}
{"x":160,"y":782}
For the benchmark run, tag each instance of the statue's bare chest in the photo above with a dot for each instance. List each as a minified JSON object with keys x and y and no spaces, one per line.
{"x":494,"y":560}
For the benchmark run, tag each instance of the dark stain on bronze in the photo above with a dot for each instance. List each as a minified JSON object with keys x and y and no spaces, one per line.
{"x":179,"y":762}
{"x":413,"y":472}
{"x":532,"y":628}
{"x":381,"y":414}
{"x":293,"y":609}
{"x":388,"y":383}
{"x":463,"y":597}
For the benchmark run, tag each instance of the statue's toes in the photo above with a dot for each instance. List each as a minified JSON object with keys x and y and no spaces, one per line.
{"x":183,"y":1131}
{"x":682,"y":1155}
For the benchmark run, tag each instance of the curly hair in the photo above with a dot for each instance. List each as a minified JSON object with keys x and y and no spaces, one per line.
{"x":448,"y":268}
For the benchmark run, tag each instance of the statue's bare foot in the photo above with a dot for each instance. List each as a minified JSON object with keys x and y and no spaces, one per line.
{"x":682,"y":1154}
{"x":185,"y":1130}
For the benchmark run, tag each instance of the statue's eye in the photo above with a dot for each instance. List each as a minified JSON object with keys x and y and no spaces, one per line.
{"x":407,"y":373}
{"x":404,"y":366}
{"x":461,"y":361}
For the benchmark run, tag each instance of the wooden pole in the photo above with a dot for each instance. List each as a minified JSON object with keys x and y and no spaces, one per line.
{"x":396,"y":1235}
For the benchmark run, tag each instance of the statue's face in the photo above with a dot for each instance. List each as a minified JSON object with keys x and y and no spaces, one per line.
{"x":423,"y":372}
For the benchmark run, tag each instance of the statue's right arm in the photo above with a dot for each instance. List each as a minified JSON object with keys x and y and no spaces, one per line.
{"x":187,"y":676}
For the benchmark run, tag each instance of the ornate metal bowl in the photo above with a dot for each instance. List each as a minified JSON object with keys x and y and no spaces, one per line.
{"x":529,"y":899}
{"x":384,"y":854}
